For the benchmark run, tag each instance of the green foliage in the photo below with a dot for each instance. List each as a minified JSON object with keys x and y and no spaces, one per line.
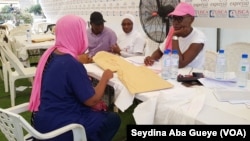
{"x":18,"y":15}
{"x":25,"y":17}
{"x":6,"y":9}
{"x":36,"y":9}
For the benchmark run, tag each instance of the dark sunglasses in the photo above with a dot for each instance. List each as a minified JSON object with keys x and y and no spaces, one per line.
{"x":179,"y":19}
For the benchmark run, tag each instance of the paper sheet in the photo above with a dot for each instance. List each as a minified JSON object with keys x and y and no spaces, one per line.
{"x":228,"y":76}
{"x":211,"y":83}
{"x":137,"y":79}
{"x":21,"y":88}
{"x":232,"y":96}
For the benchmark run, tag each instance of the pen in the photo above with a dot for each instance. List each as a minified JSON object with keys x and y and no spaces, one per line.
{"x":190,"y":71}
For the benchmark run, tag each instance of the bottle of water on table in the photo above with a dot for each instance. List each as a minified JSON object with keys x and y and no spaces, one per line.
{"x":174,"y":64}
{"x":28,"y":34}
{"x":242,"y":76}
{"x":166,"y":67}
{"x":220,"y":68}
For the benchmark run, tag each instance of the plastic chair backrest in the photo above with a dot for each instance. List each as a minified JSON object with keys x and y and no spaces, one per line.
{"x":12,"y":58}
{"x":210,"y":60}
{"x":12,"y":125}
{"x":233,"y":54}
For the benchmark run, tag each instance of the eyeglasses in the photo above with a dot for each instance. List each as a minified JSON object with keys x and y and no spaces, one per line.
{"x":179,"y":19}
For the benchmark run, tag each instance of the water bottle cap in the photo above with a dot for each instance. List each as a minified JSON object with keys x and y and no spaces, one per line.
{"x":175,"y":51}
{"x":221,"y":51}
{"x":166,"y":51}
{"x":244,"y":56}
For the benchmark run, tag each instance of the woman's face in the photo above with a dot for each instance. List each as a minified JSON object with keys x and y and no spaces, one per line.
{"x":182,"y":21}
{"x":127,"y":25}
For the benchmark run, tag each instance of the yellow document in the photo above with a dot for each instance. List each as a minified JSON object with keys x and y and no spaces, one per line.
{"x":137,"y":79}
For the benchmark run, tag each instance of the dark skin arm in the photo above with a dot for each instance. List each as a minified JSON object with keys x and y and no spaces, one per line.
{"x":99,"y":89}
{"x":149,"y":60}
{"x":194,"y":49}
{"x":84,"y":59}
{"x":116,"y":49}
{"x":189,"y":55}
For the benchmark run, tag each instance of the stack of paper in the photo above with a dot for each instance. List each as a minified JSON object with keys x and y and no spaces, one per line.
{"x":228,"y":76}
{"x":234,"y":96}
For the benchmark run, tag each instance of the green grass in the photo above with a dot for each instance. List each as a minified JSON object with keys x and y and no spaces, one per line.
{"x":23,"y":96}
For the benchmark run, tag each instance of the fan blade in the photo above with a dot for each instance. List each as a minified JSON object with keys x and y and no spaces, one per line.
{"x":154,"y":19}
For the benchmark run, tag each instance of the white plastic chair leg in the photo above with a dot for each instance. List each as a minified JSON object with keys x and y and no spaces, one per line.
{"x":12,"y":92}
{"x":5,"y":79}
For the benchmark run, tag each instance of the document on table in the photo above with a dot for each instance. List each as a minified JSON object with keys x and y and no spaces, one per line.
{"x":211,"y":83}
{"x":139,"y":61}
{"x":228,"y":76}
{"x":137,"y":79}
{"x":232,"y":95}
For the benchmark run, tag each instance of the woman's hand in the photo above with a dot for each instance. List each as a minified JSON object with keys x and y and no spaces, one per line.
{"x":84,"y":59}
{"x":181,"y":32}
{"x":149,"y":61}
{"x":115,"y":49}
{"x":107,"y":74}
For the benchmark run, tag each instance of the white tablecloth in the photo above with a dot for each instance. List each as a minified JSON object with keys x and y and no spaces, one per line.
{"x":21,"y":45}
{"x":178,"y":105}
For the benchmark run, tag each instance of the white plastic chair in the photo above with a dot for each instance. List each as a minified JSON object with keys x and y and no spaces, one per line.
{"x":15,"y":69}
{"x":41,"y":27}
{"x":4,"y":74}
{"x":233,"y":54}
{"x":12,"y":125}
{"x":210,"y":60}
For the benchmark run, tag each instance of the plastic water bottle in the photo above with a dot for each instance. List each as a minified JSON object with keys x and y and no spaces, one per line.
{"x":174,"y":64}
{"x":242,"y":75}
{"x":28,"y":34}
{"x":166,"y":67}
{"x":220,"y":65}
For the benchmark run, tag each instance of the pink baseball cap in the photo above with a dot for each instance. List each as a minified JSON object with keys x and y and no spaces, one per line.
{"x":183,"y":9}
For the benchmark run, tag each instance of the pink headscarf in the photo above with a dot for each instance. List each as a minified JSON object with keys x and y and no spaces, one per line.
{"x":71,"y":38}
{"x":168,"y":44}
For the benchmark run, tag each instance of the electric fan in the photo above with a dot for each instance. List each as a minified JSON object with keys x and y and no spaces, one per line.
{"x":153,"y":17}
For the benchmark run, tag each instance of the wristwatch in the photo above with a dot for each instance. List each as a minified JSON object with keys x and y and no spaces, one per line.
{"x":175,"y":38}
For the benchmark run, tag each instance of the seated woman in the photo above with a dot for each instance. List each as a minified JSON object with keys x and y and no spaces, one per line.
{"x":62,"y":92}
{"x":183,"y":37}
{"x":130,"y":42}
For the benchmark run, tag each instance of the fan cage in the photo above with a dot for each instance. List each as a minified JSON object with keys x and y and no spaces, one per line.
{"x":153,"y":24}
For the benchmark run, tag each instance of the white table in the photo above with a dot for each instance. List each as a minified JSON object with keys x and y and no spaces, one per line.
{"x":209,"y":111}
{"x":21,"y":44}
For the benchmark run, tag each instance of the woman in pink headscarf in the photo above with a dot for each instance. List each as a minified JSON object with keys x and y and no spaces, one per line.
{"x":62,"y":91}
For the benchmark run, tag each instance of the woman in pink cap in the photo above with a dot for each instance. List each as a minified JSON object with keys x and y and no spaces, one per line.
{"x":62,"y":92}
{"x":187,"y":40}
